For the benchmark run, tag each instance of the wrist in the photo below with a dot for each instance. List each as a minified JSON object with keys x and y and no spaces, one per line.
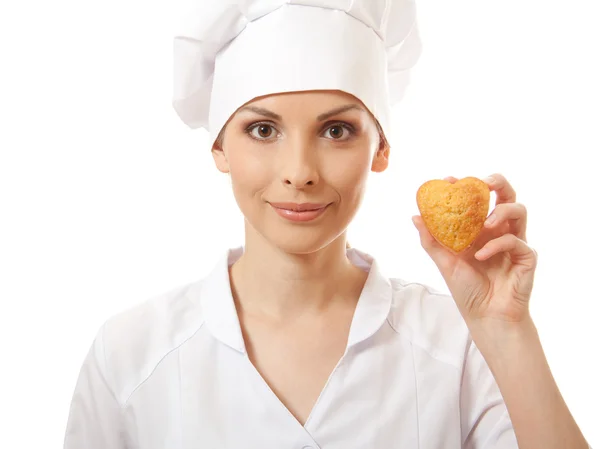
{"x":499,"y":337}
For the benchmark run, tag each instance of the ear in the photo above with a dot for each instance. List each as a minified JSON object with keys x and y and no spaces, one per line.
{"x":220,"y":158}
{"x":382,"y":157}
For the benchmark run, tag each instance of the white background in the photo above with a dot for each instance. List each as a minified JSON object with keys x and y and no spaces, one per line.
{"x":107,"y":198}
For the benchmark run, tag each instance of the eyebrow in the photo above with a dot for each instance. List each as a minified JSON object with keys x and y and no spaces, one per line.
{"x":320,"y":118}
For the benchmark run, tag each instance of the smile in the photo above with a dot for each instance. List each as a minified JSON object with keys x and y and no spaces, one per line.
{"x":299,"y":212}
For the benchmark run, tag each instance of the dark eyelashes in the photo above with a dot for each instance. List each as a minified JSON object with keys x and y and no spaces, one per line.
{"x":345,"y":125}
{"x":256,"y":125}
{"x":350,"y":128}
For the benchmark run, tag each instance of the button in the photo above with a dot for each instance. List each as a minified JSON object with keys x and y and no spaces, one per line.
{"x":308,"y":447}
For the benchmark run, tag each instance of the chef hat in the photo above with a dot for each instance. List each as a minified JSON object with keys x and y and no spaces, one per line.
{"x":230,"y":52}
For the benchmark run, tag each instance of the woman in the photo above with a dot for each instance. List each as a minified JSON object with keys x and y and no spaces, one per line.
{"x":297,"y":340}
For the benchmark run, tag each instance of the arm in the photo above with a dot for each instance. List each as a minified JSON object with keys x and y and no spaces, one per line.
{"x":485,"y":422}
{"x":491,"y":283}
{"x":539,"y":415}
{"x":95,"y":415}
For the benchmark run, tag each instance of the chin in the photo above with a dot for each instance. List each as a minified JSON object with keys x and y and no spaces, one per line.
{"x":300,"y":241}
{"x":294,"y":238}
{"x":299,"y":246}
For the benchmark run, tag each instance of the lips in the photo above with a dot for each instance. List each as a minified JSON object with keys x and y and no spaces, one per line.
{"x":299,"y":212}
{"x":299,"y":207}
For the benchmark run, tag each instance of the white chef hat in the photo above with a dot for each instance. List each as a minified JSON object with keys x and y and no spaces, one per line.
{"x":230,"y":52}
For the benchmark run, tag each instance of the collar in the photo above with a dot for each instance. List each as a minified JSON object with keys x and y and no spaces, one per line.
{"x":221,"y":317}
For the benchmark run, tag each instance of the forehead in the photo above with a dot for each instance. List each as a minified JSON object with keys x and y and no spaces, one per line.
{"x":307,"y":103}
{"x":306,"y":95}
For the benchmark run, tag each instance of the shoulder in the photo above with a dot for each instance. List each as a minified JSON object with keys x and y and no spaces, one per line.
{"x":135,"y":341}
{"x":430,"y":319}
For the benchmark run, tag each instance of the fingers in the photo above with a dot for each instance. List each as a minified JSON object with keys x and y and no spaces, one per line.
{"x":508,"y":243}
{"x":514,"y":213}
{"x":505,"y":193}
{"x":441,"y":256}
{"x":427,"y":240}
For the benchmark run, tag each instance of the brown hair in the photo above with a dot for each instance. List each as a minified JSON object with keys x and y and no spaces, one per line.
{"x":383,"y":142}
{"x":220,"y":138}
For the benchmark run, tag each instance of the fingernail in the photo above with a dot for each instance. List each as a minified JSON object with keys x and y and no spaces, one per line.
{"x":481,"y":253}
{"x":489,"y":180}
{"x":491,"y":219}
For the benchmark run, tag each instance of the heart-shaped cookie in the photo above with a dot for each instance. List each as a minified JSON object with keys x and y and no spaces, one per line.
{"x":454,"y":213}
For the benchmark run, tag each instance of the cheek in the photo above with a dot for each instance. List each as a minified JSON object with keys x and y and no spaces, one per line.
{"x":250,"y":172}
{"x":349,"y":174}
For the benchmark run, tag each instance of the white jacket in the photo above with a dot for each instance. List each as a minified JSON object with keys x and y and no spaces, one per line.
{"x":173,"y":373}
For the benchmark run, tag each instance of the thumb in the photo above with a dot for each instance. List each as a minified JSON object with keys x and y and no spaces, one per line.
{"x":440,"y":255}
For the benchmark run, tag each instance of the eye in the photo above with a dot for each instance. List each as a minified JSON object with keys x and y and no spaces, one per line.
{"x":261,"y":131}
{"x":336,"y":132}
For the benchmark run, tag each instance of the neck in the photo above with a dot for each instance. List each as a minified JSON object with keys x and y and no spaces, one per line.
{"x":269,"y":281}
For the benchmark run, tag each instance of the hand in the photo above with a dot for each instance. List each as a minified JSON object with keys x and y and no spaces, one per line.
{"x":491,"y":281}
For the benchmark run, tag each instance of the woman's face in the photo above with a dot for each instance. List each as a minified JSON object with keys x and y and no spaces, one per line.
{"x":286,"y":150}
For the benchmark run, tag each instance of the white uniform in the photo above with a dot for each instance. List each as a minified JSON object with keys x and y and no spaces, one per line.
{"x":173,"y":373}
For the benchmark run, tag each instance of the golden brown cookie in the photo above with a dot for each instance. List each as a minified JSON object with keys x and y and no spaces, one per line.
{"x":454,"y":213}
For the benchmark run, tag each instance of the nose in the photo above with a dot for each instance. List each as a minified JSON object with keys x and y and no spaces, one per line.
{"x":299,"y":164}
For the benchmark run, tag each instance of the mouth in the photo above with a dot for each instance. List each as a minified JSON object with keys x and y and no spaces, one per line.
{"x":299,"y":212}
{"x":302,"y":207}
